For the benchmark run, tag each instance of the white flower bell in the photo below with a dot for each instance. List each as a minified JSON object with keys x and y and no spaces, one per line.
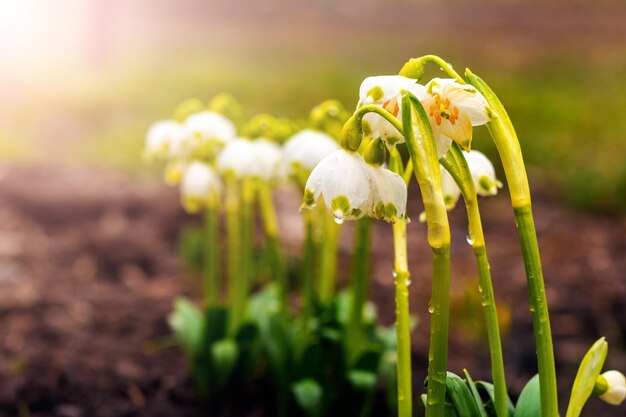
{"x":384,"y":91}
{"x":200,"y":186}
{"x":158,"y":138}
{"x":250,"y":158}
{"x":483,"y":173}
{"x":453,"y":109}
{"x":352,"y":188}
{"x":307,"y":149}
{"x":451,"y":191}
{"x":614,"y":385}
{"x":207,"y":126}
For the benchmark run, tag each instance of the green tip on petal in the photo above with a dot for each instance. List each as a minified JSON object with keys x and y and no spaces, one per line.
{"x":376,"y":93}
{"x":308,"y":200}
{"x":375,"y":152}
{"x":340,"y":206}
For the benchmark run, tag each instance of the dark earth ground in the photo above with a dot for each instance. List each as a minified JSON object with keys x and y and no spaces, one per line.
{"x":88,"y":272}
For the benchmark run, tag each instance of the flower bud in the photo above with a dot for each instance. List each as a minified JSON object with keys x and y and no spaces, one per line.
{"x":187,"y":108}
{"x":228,"y":106}
{"x":413,"y":68}
{"x":611,"y":387}
{"x":351,"y":135}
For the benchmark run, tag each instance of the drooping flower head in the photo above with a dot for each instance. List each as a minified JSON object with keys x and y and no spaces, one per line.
{"x":384,"y":91}
{"x":483,"y":173}
{"x":304,"y":150}
{"x":453,"y":109}
{"x":250,"y":159}
{"x":612,"y":387}
{"x":353,"y":188}
{"x":158,"y":138}
{"x":200,"y":186}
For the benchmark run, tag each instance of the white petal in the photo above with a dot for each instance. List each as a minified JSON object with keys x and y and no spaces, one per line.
{"x":307,"y":148}
{"x":390,"y":194}
{"x":342,"y":174}
{"x":451,"y":191}
{"x":390,"y":85}
{"x":180,"y":143}
{"x":207,"y":126}
{"x":483,"y":173}
{"x":266,"y":156}
{"x":237,"y":157}
{"x":616,"y":392}
{"x":200,"y":181}
{"x":158,"y":137}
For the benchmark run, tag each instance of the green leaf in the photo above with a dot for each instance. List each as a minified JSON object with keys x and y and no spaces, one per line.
{"x":362,"y":380}
{"x":487,"y":389}
{"x":216,"y":321}
{"x":308,"y":394}
{"x":529,"y":402}
{"x":224,"y":354}
{"x":477,"y":398}
{"x":265,"y":302}
{"x":187,"y":323}
{"x":369,"y":360}
{"x":461,"y":397}
{"x":588,"y":371}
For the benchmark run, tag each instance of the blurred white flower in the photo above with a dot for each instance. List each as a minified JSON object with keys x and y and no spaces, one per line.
{"x":483,"y":173}
{"x":390,"y":194}
{"x":306,"y":149}
{"x":451,"y":191}
{"x":615,"y":387}
{"x":207,"y":126}
{"x":174,"y":170}
{"x":158,"y":138}
{"x":453,"y":109}
{"x":200,"y":186}
{"x":250,"y":158}
{"x":352,"y":188}
{"x":384,"y":91}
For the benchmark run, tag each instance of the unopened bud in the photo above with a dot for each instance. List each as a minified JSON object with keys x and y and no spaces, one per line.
{"x":351,"y":135}
{"x":413,"y":68}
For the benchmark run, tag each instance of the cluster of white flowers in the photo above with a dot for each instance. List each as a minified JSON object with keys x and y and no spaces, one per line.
{"x":352,"y":188}
{"x":452,"y":108}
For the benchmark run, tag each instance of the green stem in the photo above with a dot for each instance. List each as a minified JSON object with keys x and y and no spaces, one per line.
{"x":272,"y":233}
{"x":306,"y":274}
{"x":328,"y":261}
{"x":211,"y":264}
{"x":403,"y":327}
{"x":233,"y":230}
{"x":360,"y":271}
{"x":247,"y":236}
{"x":506,"y":141}
{"x":456,"y":165}
{"x":427,"y":172}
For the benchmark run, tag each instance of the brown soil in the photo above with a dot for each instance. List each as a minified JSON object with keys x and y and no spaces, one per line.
{"x":88,"y":271}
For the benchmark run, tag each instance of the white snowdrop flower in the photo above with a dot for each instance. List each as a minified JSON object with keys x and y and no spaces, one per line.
{"x":267,"y":156}
{"x":483,"y":173}
{"x":306,"y":149}
{"x":250,"y":158}
{"x":200,"y":186}
{"x":343,"y":180}
{"x":453,"y":109}
{"x":614,"y":385}
{"x":384,"y":91}
{"x":236,"y":156}
{"x":158,"y":138}
{"x":180,"y":144}
{"x":352,"y":188}
{"x":390,"y":194}
{"x":207,"y":126}
{"x":451,"y":191}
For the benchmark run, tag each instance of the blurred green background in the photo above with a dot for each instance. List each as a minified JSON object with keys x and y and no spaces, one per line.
{"x":80,"y":81}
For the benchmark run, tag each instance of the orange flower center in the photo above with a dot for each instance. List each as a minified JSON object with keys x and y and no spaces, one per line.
{"x":392,"y":106}
{"x":441,"y":109}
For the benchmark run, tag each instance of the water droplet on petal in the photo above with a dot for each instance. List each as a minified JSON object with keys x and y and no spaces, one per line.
{"x":338,"y":219}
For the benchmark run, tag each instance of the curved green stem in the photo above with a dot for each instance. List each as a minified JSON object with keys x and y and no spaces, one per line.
{"x":454,"y":162}
{"x":272,"y":234}
{"x":403,"y":326}
{"x":506,"y":141}
{"x":328,"y":261}
{"x":233,"y":230}
{"x":445,"y":66}
{"x":211,"y":264}
{"x":427,"y":172}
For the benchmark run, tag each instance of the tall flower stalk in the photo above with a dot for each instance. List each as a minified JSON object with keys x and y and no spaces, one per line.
{"x":454,"y":162}
{"x":211,"y":249}
{"x":427,"y":172}
{"x":506,"y":141}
